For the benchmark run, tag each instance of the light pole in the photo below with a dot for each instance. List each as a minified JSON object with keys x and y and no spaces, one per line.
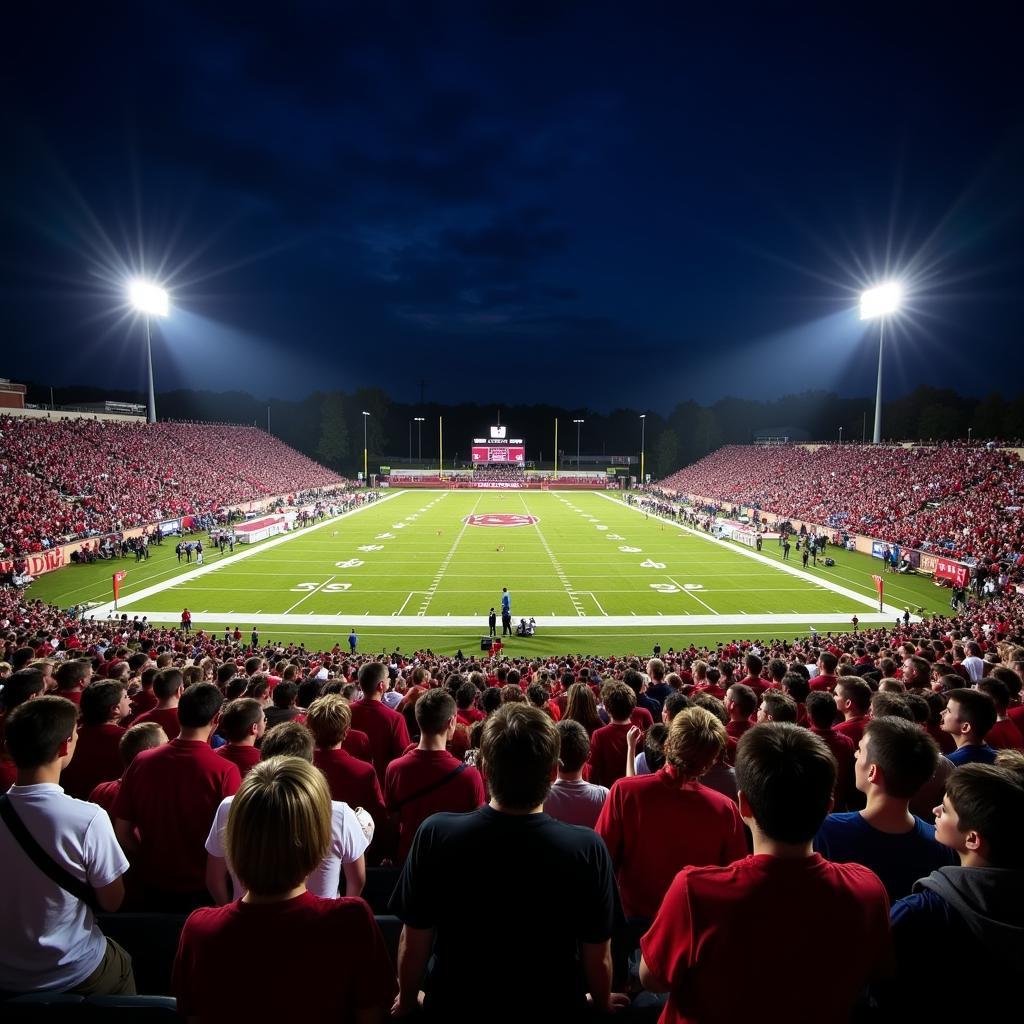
{"x":419,"y":436}
{"x":878,"y":303}
{"x":150,"y":300}
{"x":643,"y":433}
{"x":366,"y":473}
{"x":970,"y":431}
{"x":840,"y":435}
{"x":579,"y":423}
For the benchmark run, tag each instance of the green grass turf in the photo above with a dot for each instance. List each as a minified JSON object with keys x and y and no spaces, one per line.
{"x":424,"y":558}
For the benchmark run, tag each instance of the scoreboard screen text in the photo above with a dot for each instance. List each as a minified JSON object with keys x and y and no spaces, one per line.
{"x":499,"y":453}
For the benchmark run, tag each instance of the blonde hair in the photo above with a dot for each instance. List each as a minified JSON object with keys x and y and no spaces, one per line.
{"x":279,"y":825}
{"x":696,"y":740}
{"x":329,"y":719}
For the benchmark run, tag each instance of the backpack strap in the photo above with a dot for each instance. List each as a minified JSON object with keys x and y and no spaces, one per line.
{"x":42,"y":860}
{"x":436,"y":784}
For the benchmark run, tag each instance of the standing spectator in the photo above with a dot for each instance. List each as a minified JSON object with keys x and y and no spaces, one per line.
{"x":167,"y":800}
{"x":773,"y":899}
{"x":609,"y":743}
{"x":571,"y":799}
{"x":428,"y":779}
{"x":242,"y":723}
{"x":569,"y":936}
{"x":821,"y":713}
{"x":655,"y":825}
{"x":348,"y":841}
{"x":168,"y":686}
{"x":136,"y":739}
{"x":278,"y":832}
{"x":72,"y":678}
{"x":969,"y":717}
{"x":284,"y":707}
{"x":894,"y":760}
{"x":388,"y":733}
{"x":97,"y":758}
{"x":52,"y":942}
{"x":353,"y":641}
{"x":853,"y":697}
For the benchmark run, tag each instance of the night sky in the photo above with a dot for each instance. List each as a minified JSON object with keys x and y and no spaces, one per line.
{"x":601,"y":204}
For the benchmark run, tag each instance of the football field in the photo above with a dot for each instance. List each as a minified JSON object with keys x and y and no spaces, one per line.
{"x":423,"y":568}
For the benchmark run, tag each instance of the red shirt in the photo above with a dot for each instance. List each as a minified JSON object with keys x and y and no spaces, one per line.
{"x":171,"y":794}
{"x":823,"y":681}
{"x":608,"y":753}
{"x":756,"y":683}
{"x":641,"y":718}
{"x":655,"y":825}
{"x":837,"y":915}
{"x":843,"y":750}
{"x":1004,"y":735}
{"x":75,"y":696}
{"x":351,"y":781}
{"x":105,"y":794}
{"x":335,"y":945}
{"x":737,"y":728}
{"x":413,"y":772}
{"x":166,"y":718}
{"x":852,"y":728}
{"x":143,"y":701}
{"x":96,"y":759}
{"x":358,"y":745}
{"x":1016,"y":715}
{"x":244,"y":756}
{"x":386,"y":729}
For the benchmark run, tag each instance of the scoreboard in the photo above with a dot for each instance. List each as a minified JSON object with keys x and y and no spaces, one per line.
{"x":488,"y":452}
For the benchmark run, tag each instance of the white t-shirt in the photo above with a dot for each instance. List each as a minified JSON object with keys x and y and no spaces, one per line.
{"x":975,"y":667}
{"x":348,"y":843}
{"x":50,"y":939}
{"x":575,"y":803}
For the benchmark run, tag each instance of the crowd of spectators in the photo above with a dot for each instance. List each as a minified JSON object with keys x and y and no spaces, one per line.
{"x":660,"y":765}
{"x":961,"y":500}
{"x":62,"y":480}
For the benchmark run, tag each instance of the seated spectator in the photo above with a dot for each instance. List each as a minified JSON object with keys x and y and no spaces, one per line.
{"x":72,"y":676}
{"x":19,"y":687}
{"x":145,"y":699}
{"x":279,"y":830}
{"x":135,"y":740}
{"x":242,"y":723}
{"x":570,"y":936}
{"x":168,"y":686}
{"x":97,"y":758}
{"x":969,"y":717}
{"x":974,"y":908}
{"x":348,"y":841}
{"x":167,"y":799}
{"x":774,"y":899}
{"x":570,"y":798}
{"x":385,"y":727}
{"x":350,"y":780}
{"x":51,"y":941}
{"x":776,"y":706}
{"x":655,"y":825}
{"x":609,"y":744}
{"x":894,"y":760}
{"x":428,"y":779}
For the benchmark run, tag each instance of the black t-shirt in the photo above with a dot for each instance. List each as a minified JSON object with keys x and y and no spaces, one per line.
{"x":544,"y":887}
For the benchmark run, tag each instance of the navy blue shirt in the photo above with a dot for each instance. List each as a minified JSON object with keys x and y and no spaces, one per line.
{"x":899,"y":859}
{"x":983,"y":754}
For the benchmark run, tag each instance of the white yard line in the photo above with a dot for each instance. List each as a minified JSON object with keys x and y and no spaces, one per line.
{"x":562,"y":578}
{"x":127,"y":600}
{"x":405,"y":602}
{"x":439,"y":575}
{"x":890,"y":611}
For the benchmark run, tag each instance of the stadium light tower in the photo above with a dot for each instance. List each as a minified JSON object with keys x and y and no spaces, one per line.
{"x":418,"y":420}
{"x":643,"y":432}
{"x":878,"y":303}
{"x":150,"y":300}
{"x":579,"y":423}
{"x":366,"y":474}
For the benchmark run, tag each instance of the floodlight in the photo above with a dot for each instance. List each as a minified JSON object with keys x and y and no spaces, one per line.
{"x":148,"y":298}
{"x":881,"y":301}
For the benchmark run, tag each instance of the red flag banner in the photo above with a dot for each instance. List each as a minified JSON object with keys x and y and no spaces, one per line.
{"x":880,"y":587}
{"x":118,"y":579}
{"x":956,"y":573}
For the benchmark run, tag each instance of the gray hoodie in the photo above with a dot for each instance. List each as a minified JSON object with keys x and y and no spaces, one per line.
{"x":991,"y":903}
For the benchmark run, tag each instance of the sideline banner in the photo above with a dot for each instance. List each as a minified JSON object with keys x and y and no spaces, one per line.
{"x":956,"y":573}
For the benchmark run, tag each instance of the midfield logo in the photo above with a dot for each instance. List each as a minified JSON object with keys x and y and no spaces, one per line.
{"x":501,"y":519}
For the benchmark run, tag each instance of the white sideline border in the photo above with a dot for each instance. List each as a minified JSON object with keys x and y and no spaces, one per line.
{"x":108,"y":611}
{"x":889,"y":612}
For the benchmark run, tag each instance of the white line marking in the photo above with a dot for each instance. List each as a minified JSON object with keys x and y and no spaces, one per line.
{"x":447,"y":560}
{"x":404,"y":603}
{"x":308,"y":595}
{"x":692,"y":594}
